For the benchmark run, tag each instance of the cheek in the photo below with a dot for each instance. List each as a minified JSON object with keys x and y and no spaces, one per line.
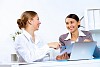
{"x":76,"y":25}
{"x":67,"y":26}
{"x":35,"y":23}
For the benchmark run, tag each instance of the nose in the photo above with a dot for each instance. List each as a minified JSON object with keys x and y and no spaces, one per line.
{"x":69,"y":24}
{"x":39,"y":22}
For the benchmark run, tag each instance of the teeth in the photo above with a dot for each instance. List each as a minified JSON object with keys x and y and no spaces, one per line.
{"x":71,"y":28}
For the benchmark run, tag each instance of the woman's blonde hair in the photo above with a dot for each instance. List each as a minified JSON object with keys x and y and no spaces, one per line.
{"x":27,"y":15}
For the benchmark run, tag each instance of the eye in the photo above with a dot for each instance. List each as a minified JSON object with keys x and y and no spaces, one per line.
{"x":71,"y":22}
{"x":37,"y":18}
{"x":66,"y":23}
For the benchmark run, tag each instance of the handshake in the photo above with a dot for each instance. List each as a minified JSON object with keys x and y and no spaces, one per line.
{"x":55,"y":45}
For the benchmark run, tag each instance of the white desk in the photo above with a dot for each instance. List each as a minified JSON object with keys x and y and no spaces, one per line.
{"x":81,"y":63}
{"x":11,"y":64}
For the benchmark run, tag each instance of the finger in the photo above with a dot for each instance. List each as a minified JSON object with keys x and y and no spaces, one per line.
{"x":57,"y":47}
{"x":59,"y":44}
{"x":58,"y":57}
{"x":63,"y":56}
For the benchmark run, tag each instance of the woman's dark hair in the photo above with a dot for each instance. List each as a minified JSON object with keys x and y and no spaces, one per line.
{"x":25,"y":17}
{"x":73,"y":16}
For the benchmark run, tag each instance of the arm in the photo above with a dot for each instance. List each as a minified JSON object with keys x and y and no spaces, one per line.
{"x":30,"y":51}
{"x":62,"y":48}
{"x":62,"y":44}
{"x":96,"y":53}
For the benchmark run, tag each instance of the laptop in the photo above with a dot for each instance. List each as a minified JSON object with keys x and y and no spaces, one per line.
{"x":82,"y":50}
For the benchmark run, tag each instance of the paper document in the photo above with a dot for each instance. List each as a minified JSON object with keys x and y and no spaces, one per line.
{"x":66,"y":50}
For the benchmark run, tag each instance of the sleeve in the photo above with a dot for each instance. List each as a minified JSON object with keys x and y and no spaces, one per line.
{"x":96,"y":53}
{"x":62,"y":44}
{"x":28,"y":51}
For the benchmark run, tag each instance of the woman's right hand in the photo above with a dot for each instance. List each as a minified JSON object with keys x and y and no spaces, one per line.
{"x":55,"y":45}
{"x":62,"y":57}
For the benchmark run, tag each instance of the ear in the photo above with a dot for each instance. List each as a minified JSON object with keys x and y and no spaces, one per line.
{"x":78,"y":22}
{"x":29,"y":21}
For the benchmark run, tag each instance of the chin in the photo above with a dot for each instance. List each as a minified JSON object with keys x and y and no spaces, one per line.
{"x":37,"y":29}
{"x":71,"y":31}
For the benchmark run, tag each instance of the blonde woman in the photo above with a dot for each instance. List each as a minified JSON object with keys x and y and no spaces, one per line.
{"x":28,"y":45}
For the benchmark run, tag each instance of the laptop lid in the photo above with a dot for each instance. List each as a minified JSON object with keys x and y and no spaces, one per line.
{"x":82,"y":50}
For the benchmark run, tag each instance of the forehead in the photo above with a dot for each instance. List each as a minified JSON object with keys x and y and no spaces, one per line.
{"x":69,"y":19}
{"x":36,"y":16}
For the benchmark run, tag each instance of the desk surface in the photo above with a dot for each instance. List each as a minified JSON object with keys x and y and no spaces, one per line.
{"x":64,"y":63}
{"x":80,"y":63}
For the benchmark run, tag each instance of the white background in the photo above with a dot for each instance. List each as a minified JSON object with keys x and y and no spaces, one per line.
{"x":51,"y":13}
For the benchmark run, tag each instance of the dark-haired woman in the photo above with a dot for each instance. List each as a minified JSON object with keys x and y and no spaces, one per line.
{"x":74,"y":35}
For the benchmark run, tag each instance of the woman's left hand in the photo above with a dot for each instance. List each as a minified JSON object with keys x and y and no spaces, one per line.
{"x":87,"y":40}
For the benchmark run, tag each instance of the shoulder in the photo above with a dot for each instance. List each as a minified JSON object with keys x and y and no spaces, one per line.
{"x":63,"y":36}
{"x":86,"y":32}
{"x":20,"y":37}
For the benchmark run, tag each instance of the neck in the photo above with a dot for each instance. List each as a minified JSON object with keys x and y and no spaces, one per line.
{"x":74,"y":35}
{"x":31,"y":32}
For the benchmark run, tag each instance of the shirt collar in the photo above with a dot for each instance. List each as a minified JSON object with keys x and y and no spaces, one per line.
{"x":69,"y":35}
{"x":29,"y":37}
{"x":26,"y":34}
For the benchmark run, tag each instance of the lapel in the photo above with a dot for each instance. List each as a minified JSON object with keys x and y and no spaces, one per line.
{"x":81,"y":39}
{"x":67,"y":42}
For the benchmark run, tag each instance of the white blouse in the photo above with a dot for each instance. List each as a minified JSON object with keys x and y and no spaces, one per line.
{"x":30,"y":51}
